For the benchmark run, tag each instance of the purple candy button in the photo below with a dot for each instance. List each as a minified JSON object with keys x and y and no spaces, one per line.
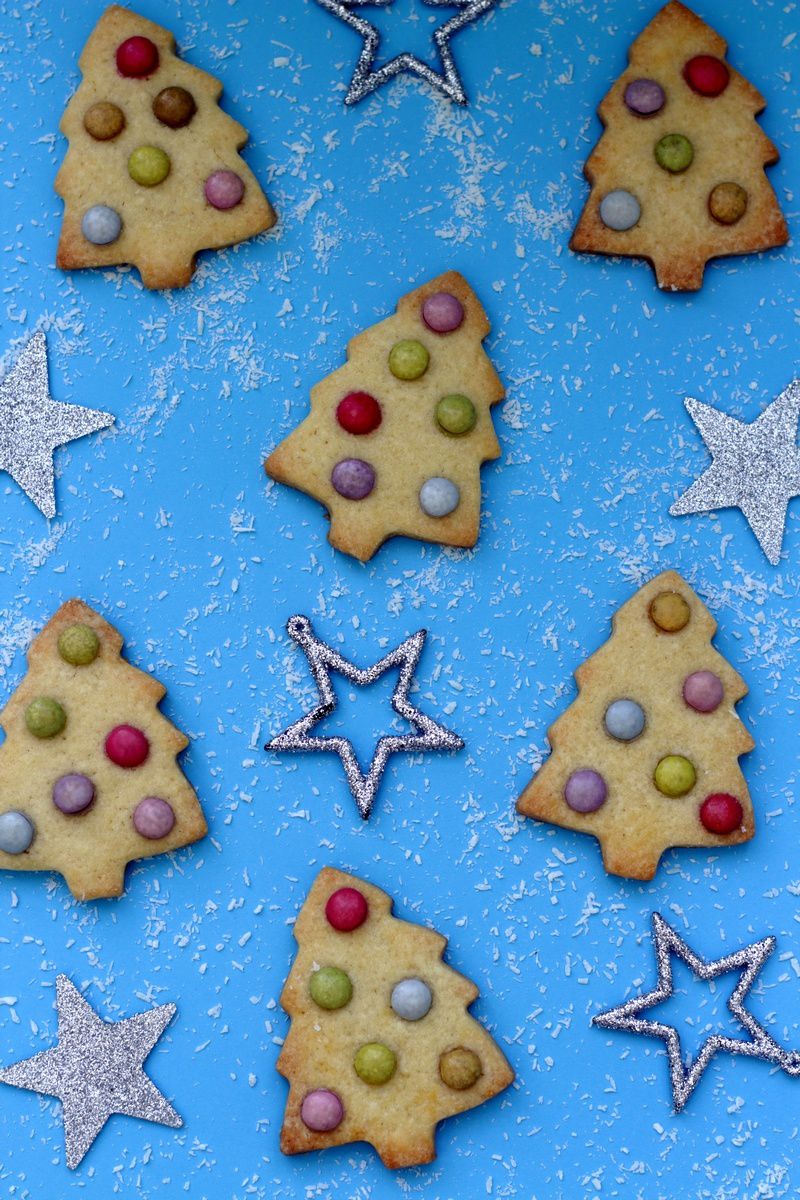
{"x":73,"y":793}
{"x":443,"y":312}
{"x":585,"y":791}
{"x":353,"y":478}
{"x":153,"y":818}
{"x":703,"y":691}
{"x":322,"y":1111}
{"x":644,"y":97}
{"x":224,"y":190}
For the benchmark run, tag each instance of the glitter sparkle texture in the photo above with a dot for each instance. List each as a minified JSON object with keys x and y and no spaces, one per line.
{"x":365,"y":80}
{"x":322,"y":659}
{"x":33,"y":425}
{"x":96,"y":1069}
{"x":755,"y":467}
{"x":749,"y":960}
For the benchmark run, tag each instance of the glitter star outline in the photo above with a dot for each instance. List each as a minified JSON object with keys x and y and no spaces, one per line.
{"x":667,"y":944}
{"x":365,"y":80}
{"x":88,"y":1047}
{"x":322,"y":660}
{"x":755,"y":467}
{"x":33,"y":425}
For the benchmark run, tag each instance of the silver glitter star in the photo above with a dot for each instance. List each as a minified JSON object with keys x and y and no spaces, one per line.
{"x":366,"y":80}
{"x":749,"y":961}
{"x":32,"y":425}
{"x":755,"y":467}
{"x":96,"y":1069}
{"x":322,"y":660}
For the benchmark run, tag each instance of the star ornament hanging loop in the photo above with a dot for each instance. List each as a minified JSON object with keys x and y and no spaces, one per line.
{"x":366,"y":79}
{"x":323,"y":659}
{"x":667,"y":944}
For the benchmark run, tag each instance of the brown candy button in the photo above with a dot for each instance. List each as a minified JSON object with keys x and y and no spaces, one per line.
{"x":175,"y":107}
{"x":669,"y":612}
{"x":104,"y":121}
{"x":460,"y":1068}
{"x":727,"y":203}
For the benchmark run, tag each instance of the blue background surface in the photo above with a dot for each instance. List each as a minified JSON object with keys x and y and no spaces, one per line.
{"x":167,"y":525}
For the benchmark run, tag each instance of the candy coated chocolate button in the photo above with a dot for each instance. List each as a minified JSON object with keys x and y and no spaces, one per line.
{"x":153,"y":818}
{"x":669,"y":612}
{"x":624,"y":720}
{"x":721,"y":813}
{"x":101,"y":225}
{"x":79,"y":645}
{"x":73,"y":794}
{"x":456,"y":414}
{"x":644,"y":97}
{"x":375,"y":1063}
{"x":674,"y":776}
{"x":727,"y":203}
{"x":443,"y":312}
{"x":148,"y":166}
{"x":104,"y":121}
{"x":411,"y":999}
{"x":16,"y":832}
{"x":330,"y":988}
{"x":408,"y":359}
{"x":224,"y":190}
{"x":706,"y":75}
{"x":45,"y":717}
{"x":460,"y":1068}
{"x":674,"y":153}
{"x":127,"y":746}
{"x":620,"y":210}
{"x":346,"y":909}
{"x":585,"y":791}
{"x":353,"y":478}
{"x":137,"y":57}
{"x":358,"y":413}
{"x":174,"y":107}
{"x":322,"y":1111}
{"x":703,"y":691}
{"x":438,"y":497}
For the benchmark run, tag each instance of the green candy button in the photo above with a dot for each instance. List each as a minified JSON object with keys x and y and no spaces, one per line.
{"x":79,"y":645}
{"x":375,"y":1063}
{"x":456,"y":414}
{"x":45,"y":717}
{"x":674,"y":153}
{"x":330,"y":988}
{"x":675,"y":775}
{"x":148,"y":166}
{"x":408,"y":359}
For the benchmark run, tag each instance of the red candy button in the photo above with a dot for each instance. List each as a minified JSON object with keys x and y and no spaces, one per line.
{"x":359,"y":413}
{"x":706,"y":75}
{"x":127,"y":746}
{"x":137,"y":57}
{"x":346,"y":910}
{"x":721,"y":813}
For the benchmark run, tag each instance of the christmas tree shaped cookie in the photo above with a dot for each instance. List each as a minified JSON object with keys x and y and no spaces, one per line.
{"x":678,"y":175}
{"x":396,"y":437}
{"x":647,"y":755}
{"x":381,"y":1046}
{"x":88,"y":777}
{"x":152,"y":174}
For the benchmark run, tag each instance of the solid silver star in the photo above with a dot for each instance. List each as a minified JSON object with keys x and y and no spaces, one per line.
{"x":749,"y":961}
{"x":322,"y":660}
{"x":32,"y":424}
{"x":366,"y":80}
{"x":96,"y":1069}
{"x":755,"y":467}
